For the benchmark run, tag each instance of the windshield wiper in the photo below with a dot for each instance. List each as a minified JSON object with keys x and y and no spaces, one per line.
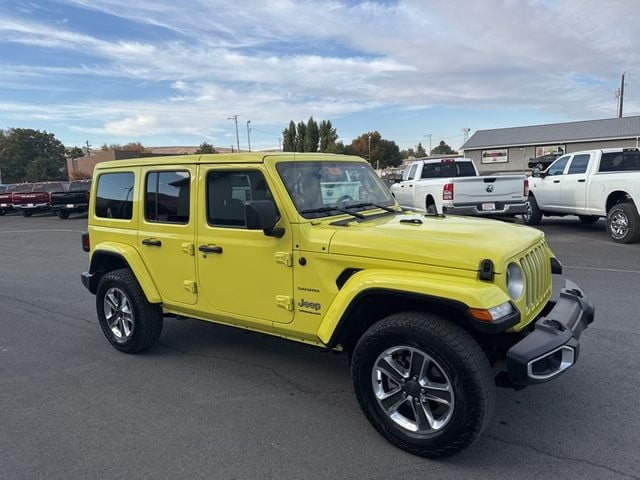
{"x":370,"y":204}
{"x":332,"y":209}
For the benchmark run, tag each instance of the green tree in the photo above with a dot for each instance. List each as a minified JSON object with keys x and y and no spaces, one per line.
{"x":312,"y":136}
{"x":131,"y":146}
{"x":30,"y":155}
{"x":301,"y":137}
{"x":74,"y":152}
{"x":442,"y":149}
{"x":289,"y":138}
{"x":384,"y":153}
{"x":328,"y":136}
{"x":420,"y":151}
{"x":408,"y":153}
{"x":205,"y":148}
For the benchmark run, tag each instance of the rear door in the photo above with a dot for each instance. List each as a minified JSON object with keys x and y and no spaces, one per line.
{"x":574,"y":184}
{"x":166,"y":231}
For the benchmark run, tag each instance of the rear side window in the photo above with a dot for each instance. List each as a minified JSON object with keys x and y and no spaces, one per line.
{"x":166,"y":197}
{"x":114,"y":195}
{"x":620,"y":162}
{"x":579,"y":164}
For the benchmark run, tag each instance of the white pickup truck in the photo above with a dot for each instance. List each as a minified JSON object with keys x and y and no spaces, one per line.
{"x":591,"y":184}
{"x":453,"y":186}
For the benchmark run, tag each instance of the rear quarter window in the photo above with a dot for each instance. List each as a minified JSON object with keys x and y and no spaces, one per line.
{"x":620,"y":162}
{"x":114,"y":195}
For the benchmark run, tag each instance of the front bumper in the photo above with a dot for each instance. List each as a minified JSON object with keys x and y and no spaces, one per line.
{"x":552,"y":347}
{"x":475,"y":210}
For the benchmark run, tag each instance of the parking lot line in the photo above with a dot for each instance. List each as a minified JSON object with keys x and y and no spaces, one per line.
{"x":602,"y":269}
{"x":48,"y":230}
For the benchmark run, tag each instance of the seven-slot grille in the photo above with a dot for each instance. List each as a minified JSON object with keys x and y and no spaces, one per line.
{"x":536,"y":267}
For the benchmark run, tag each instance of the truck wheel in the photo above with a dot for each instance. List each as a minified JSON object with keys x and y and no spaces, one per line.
{"x":2,"y":211}
{"x":27,"y":213}
{"x":588,"y":219}
{"x":623,"y":223}
{"x":128,"y":320}
{"x":63,"y":214}
{"x":423,"y":383}
{"x":534,"y":214}
{"x":432,"y":209}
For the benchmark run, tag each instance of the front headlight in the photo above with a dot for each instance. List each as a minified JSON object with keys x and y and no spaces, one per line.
{"x":515,"y":280}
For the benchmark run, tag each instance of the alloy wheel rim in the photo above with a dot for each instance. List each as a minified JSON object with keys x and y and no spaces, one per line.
{"x":619,"y":224}
{"x":118,"y":312}
{"x":413,"y":390}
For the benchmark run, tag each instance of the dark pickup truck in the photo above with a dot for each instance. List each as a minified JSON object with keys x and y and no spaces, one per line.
{"x":38,"y":199}
{"x":6,"y":198}
{"x":76,"y":199}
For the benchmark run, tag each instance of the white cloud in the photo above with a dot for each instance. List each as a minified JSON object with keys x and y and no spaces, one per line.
{"x":273,"y":61}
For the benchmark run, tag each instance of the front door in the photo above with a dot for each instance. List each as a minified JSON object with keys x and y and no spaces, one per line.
{"x":548,"y":189}
{"x":242,"y":272}
{"x":574,"y":185}
{"x":166,"y":233}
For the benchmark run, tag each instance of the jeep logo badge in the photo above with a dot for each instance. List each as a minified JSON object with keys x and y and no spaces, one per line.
{"x":490,"y":188}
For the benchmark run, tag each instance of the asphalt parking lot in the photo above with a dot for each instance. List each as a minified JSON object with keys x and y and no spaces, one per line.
{"x":212,"y":402}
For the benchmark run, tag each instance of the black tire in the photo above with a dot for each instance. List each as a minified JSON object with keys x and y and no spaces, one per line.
{"x":3,"y":211}
{"x":623,"y":223}
{"x":145,"y":324}
{"x":461,"y":364}
{"x":588,"y":219}
{"x":63,"y":214}
{"x":27,"y":213}
{"x":432,"y":209}
{"x":534,"y":214}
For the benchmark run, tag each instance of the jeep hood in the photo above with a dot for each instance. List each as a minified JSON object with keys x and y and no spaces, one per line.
{"x":451,"y":241}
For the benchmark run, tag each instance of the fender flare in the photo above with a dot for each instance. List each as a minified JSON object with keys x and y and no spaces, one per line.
{"x":131,"y":257}
{"x":458,"y":292}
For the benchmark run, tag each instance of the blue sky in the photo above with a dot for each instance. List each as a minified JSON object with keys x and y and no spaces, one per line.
{"x":171,"y":73}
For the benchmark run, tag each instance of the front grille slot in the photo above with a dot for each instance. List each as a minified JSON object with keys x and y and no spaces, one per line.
{"x":536,"y":266}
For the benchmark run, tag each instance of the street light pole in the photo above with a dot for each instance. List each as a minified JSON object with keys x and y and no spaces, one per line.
{"x":235,"y":119}
{"x":249,"y":134}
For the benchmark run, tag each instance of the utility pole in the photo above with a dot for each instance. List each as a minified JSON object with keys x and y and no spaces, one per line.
{"x":429,"y":135}
{"x":280,"y":143}
{"x":620,"y":96}
{"x":88,"y":151}
{"x":249,"y":134}
{"x":466,"y":134}
{"x":235,"y":120}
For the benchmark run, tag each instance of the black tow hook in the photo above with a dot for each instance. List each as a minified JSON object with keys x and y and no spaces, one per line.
{"x":555,"y":323}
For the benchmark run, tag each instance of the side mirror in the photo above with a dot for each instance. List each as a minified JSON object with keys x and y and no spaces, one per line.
{"x":263,"y":215}
{"x":536,"y":171}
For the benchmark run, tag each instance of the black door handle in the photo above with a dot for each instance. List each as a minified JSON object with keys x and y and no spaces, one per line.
{"x":210,"y":249}
{"x":151,"y":242}
{"x":582,"y":180}
{"x":556,"y":181}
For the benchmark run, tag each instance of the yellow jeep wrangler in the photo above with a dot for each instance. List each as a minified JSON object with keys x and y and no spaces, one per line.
{"x":432,"y":310}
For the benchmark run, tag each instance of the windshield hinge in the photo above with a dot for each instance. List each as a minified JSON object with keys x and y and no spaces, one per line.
{"x":285,"y":258}
{"x":188,"y":248}
{"x":190,"y":286}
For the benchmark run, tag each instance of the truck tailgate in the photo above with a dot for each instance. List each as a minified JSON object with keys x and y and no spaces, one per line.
{"x":499,"y":188}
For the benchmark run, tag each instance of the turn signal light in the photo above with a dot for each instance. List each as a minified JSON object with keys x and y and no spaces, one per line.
{"x":526,"y":187}
{"x":86,"y":245}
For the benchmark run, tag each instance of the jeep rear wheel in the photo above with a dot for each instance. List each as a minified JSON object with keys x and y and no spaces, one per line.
{"x":423,"y":383}
{"x":128,"y":320}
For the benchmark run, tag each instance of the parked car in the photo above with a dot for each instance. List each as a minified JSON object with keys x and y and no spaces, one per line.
{"x":38,"y":199}
{"x":314,"y":249}
{"x":453,"y":186}
{"x":75,"y":200}
{"x":6,"y":198}
{"x":591,"y":184}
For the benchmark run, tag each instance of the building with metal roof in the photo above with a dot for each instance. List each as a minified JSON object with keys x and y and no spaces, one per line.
{"x":511,"y":149}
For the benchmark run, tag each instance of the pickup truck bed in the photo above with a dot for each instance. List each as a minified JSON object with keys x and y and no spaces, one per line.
{"x":76,"y":200}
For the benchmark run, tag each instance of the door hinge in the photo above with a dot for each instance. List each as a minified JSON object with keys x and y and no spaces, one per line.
{"x":188,"y":248}
{"x":284,"y":302}
{"x":285,"y":258}
{"x":190,"y":286}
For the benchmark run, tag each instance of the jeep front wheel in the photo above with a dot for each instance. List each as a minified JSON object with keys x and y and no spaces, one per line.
{"x":423,"y":383}
{"x":128,"y":320}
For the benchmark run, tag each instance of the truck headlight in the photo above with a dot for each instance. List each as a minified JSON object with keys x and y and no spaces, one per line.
{"x":515,"y":280}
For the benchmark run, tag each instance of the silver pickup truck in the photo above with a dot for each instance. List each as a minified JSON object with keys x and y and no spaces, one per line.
{"x":453,"y":186}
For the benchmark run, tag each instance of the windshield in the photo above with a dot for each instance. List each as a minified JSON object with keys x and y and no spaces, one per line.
{"x":20,"y":188}
{"x":318,"y":185}
{"x":80,"y":185}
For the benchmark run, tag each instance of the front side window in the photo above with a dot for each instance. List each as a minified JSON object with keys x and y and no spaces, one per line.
{"x":114,"y":195}
{"x":579,"y":164}
{"x":412,"y":172}
{"x":166,"y":197}
{"x":557,"y":167}
{"x":323,"y":185}
{"x":227,"y":192}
